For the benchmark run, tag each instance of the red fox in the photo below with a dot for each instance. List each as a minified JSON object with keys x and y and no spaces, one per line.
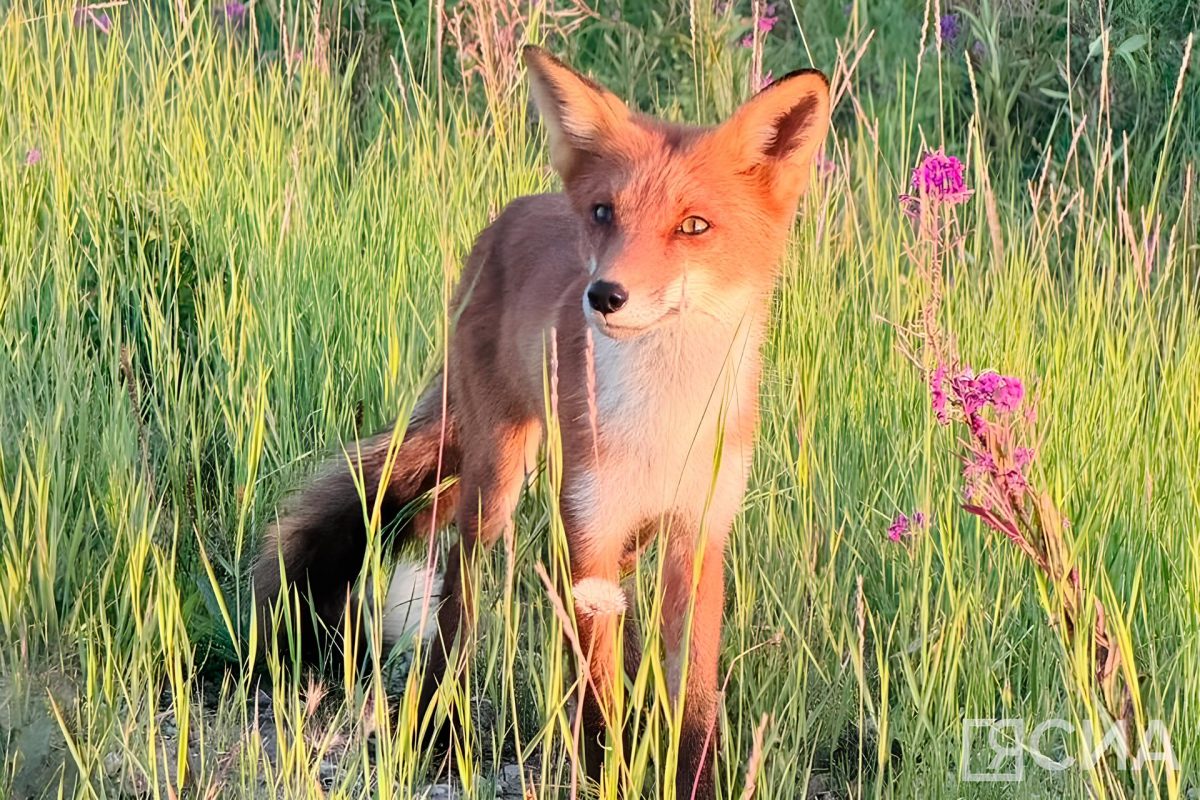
{"x":653,"y":271}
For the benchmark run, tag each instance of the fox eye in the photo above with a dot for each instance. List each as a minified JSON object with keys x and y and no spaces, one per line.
{"x":693,"y":226}
{"x":602,"y":214}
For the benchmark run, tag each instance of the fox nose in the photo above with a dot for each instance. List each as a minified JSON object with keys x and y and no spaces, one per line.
{"x":606,"y":296}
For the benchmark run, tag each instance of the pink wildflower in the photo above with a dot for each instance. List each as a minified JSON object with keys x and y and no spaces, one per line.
{"x":825,"y":166}
{"x":973,"y":394}
{"x":1014,"y":481}
{"x":941,"y":178}
{"x":968,"y":393}
{"x":233,"y":13}
{"x":904,"y":526}
{"x":33,"y":157}
{"x":987,"y":383}
{"x":978,"y":426}
{"x":937,"y":394}
{"x":766,"y":80}
{"x":1008,"y":395}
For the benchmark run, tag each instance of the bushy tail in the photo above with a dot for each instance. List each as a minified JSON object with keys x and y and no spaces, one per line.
{"x":320,"y":539}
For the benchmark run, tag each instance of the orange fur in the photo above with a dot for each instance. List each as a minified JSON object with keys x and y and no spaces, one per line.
{"x":658,"y":414}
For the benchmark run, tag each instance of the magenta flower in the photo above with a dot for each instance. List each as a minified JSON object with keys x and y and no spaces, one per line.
{"x":825,"y":166}
{"x":1014,"y":481}
{"x":233,"y":13}
{"x":973,"y":394}
{"x":941,"y":178}
{"x":1008,"y":395}
{"x":987,"y":383}
{"x":937,"y":394}
{"x":33,"y":157}
{"x":90,"y":15}
{"x":766,"y":80}
{"x":904,"y":526}
{"x":967,"y":391}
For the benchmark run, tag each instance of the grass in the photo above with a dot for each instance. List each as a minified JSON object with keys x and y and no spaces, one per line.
{"x":225,"y":263}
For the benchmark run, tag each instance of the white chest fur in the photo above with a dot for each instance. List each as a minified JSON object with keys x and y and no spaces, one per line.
{"x":672,"y":408}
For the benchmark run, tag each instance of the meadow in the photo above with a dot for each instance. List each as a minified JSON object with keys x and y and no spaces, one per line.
{"x":227,"y":238}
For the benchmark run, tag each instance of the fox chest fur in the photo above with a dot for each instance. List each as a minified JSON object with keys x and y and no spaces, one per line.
{"x":675,"y":417}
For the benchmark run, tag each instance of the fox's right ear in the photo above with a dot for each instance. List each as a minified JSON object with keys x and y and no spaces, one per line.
{"x":581,"y":116}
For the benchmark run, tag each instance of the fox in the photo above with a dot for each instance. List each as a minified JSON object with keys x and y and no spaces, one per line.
{"x":651,"y":273}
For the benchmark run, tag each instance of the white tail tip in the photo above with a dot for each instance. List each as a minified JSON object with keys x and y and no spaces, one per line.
{"x":405,"y":603}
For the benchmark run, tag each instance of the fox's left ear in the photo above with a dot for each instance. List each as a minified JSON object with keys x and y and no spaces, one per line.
{"x":581,"y":116}
{"x":780,"y":129}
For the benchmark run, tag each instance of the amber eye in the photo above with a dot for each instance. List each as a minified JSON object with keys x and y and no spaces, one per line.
{"x":602,"y":214}
{"x":693,"y":226}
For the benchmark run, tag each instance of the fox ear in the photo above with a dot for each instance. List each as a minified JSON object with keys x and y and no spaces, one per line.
{"x":780,"y":128}
{"x":581,"y":116}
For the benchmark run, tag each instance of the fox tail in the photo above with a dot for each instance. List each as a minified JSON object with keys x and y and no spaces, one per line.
{"x":314,"y":552}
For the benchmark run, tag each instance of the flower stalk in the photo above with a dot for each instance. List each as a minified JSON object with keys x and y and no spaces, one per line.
{"x":996,"y":420}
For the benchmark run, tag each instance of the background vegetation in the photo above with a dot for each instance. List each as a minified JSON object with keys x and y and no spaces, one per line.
{"x":227,"y":234}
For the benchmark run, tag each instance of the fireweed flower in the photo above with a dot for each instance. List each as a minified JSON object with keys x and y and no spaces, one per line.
{"x":938,"y":181}
{"x":973,"y":394}
{"x":904,"y":526}
{"x":825,"y":166}
{"x":1023,"y":457}
{"x":950,"y":27}
{"x":766,"y":23}
{"x":1008,"y":395}
{"x":232,"y":13}
{"x":937,"y":394}
{"x":941,"y":178}
{"x":995,"y":468}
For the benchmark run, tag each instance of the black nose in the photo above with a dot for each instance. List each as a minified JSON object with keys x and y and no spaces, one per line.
{"x":606,"y":297}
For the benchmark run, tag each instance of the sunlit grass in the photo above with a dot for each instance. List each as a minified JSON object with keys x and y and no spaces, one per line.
{"x":207,"y":281}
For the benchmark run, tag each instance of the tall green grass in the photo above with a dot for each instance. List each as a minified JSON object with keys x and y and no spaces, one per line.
{"x":227,"y":262}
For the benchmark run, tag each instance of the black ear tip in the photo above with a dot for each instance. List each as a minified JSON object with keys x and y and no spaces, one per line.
{"x":799,"y":73}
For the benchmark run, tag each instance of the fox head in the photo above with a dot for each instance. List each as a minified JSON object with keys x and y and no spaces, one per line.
{"x":678,"y":218}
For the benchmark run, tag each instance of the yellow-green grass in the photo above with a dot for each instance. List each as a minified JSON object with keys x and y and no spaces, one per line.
{"x":211,"y":278}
